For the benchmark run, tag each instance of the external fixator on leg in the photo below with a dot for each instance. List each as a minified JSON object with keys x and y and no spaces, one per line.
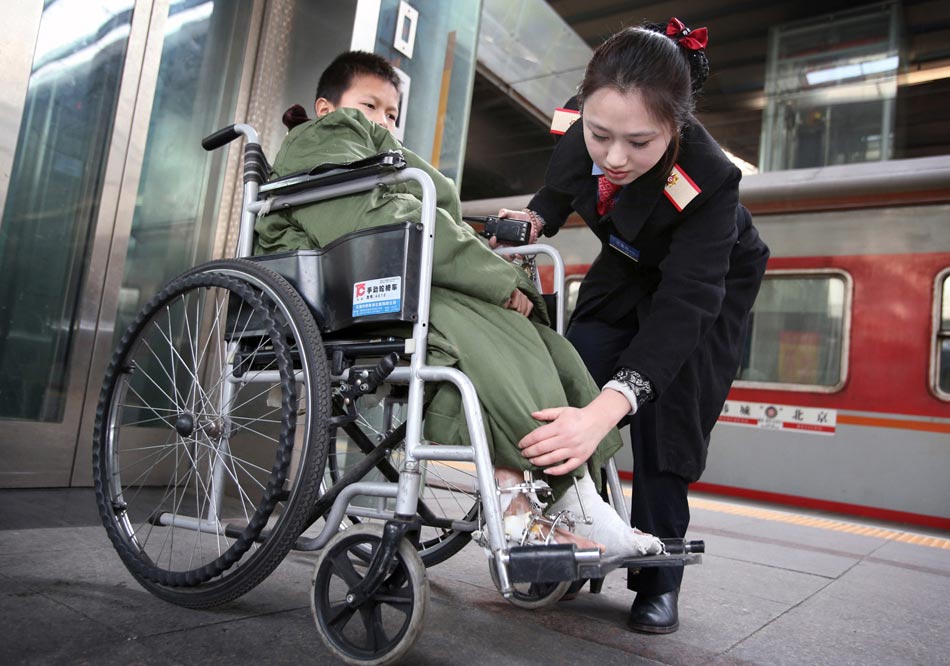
{"x":525,"y":520}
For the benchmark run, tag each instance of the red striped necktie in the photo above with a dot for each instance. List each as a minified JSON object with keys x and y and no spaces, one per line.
{"x":606,"y":191}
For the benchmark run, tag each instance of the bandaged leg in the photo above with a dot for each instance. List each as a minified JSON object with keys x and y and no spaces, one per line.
{"x":524,"y":519}
{"x":608,"y":528}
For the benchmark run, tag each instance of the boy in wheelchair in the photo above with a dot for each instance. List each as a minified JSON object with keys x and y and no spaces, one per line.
{"x":487,"y":318}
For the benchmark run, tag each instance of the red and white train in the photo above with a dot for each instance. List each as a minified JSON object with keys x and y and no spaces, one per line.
{"x":842,"y":402}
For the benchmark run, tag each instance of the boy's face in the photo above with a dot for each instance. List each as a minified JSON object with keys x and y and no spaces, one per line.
{"x":376,"y":97}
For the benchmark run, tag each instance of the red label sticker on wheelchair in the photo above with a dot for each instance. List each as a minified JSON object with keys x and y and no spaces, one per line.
{"x":379,"y":296}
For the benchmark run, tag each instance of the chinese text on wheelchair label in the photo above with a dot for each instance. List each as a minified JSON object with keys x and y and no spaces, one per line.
{"x":377,"y":296}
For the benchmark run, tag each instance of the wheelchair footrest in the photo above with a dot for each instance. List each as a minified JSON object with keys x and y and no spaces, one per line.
{"x":679,"y":552}
{"x":558,"y":562}
{"x":651,"y":561}
{"x":542,"y":564}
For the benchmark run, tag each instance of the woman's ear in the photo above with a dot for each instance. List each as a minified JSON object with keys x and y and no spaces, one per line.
{"x":323,"y":106}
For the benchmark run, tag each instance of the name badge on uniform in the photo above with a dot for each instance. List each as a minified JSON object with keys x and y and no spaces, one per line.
{"x":624,"y":248}
{"x":563,"y":119}
{"x":680,"y":188}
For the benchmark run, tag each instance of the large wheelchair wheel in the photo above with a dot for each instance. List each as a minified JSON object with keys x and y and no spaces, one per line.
{"x":211,"y":433}
{"x":383,"y":628}
{"x":448,"y":499}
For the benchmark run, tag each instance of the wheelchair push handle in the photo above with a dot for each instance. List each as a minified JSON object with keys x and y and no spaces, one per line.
{"x":228,"y":134}
{"x":220,"y":138}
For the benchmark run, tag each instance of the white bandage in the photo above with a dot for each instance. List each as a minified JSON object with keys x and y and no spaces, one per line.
{"x":608,"y":528}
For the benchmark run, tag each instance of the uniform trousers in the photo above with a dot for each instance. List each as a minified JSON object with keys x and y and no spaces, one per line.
{"x":659,"y":504}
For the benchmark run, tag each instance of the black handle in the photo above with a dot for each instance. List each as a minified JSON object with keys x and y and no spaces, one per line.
{"x":220,"y":138}
{"x":681,"y":546}
{"x":508,"y":231}
{"x":383,"y":369}
{"x":366,"y":379}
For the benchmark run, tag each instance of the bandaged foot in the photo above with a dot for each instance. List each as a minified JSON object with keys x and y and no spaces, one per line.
{"x":524,"y":519}
{"x":607,"y":529}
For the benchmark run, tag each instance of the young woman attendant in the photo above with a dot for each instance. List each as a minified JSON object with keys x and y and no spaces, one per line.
{"x":661,"y":315}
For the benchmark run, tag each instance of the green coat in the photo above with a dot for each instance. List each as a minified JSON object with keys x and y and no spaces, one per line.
{"x":517,"y":365}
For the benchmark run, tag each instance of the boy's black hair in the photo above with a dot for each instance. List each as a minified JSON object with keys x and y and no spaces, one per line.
{"x":338,"y":77}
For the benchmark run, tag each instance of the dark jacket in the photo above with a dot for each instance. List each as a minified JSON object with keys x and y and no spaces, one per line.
{"x":698,"y":272}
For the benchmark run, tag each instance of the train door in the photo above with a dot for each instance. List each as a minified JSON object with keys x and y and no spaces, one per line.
{"x":99,"y":94}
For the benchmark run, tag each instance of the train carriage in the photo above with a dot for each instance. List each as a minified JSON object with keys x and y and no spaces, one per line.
{"x":842,"y":400}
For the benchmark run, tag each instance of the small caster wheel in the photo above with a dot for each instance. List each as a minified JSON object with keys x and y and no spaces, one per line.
{"x":532,"y":595}
{"x":383,"y":628}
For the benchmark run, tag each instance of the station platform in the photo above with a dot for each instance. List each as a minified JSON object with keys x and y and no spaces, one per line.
{"x":775,"y":588}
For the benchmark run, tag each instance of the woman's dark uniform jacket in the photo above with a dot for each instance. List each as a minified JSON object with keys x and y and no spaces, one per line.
{"x":698,"y":273}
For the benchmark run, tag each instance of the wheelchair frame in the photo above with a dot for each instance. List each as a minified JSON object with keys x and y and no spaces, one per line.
{"x":385,"y":551}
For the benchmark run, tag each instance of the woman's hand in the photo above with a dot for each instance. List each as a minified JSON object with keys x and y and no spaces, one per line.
{"x":519,"y":303}
{"x":515,"y":215}
{"x":572,"y":435}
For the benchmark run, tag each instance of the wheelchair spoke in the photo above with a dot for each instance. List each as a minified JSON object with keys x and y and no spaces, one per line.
{"x":145,"y":403}
{"x":339,"y":615}
{"x":160,"y":454}
{"x":142,"y":422}
{"x":343,"y":567}
{"x":373,"y":623}
{"x":400,"y":600}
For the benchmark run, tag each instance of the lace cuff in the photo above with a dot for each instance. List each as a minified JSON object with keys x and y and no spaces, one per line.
{"x":636,"y":388}
{"x":537,"y":224}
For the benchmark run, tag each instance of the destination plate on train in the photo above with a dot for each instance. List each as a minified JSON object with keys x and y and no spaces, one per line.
{"x":770,"y":416}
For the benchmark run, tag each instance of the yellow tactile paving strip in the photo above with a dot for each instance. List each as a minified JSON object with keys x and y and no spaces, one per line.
{"x":821,"y":523}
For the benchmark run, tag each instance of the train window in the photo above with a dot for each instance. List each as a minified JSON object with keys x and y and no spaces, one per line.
{"x":798,"y":332}
{"x":940,"y":362}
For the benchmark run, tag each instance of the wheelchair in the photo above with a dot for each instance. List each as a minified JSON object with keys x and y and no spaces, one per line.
{"x":259,"y":405}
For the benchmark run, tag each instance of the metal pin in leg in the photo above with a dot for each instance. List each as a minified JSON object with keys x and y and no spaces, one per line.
{"x":587,"y":519}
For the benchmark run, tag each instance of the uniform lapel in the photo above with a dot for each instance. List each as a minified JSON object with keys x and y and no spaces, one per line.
{"x":585,"y":202}
{"x":635,"y":206}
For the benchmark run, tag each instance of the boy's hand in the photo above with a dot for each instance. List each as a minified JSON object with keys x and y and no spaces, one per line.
{"x":519,"y":303}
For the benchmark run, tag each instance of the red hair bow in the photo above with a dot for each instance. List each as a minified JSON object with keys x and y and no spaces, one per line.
{"x":694,"y":40}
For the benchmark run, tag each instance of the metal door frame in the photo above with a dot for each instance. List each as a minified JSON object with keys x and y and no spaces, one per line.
{"x":41,"y":454}
{"x":104,"y":342}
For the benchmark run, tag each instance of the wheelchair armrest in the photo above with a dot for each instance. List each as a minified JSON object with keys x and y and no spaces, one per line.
{"x":332,"y":173}
{"x":555,"y":300}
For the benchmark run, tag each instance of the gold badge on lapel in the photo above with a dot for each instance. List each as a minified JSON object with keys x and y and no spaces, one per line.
{"x":680,"y":188}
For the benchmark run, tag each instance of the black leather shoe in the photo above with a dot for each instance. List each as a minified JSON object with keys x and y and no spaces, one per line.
{"x":655,"y":613}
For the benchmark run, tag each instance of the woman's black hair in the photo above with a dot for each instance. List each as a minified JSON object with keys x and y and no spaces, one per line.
{"x":665,"y":74}
{"x":338,"y":76}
